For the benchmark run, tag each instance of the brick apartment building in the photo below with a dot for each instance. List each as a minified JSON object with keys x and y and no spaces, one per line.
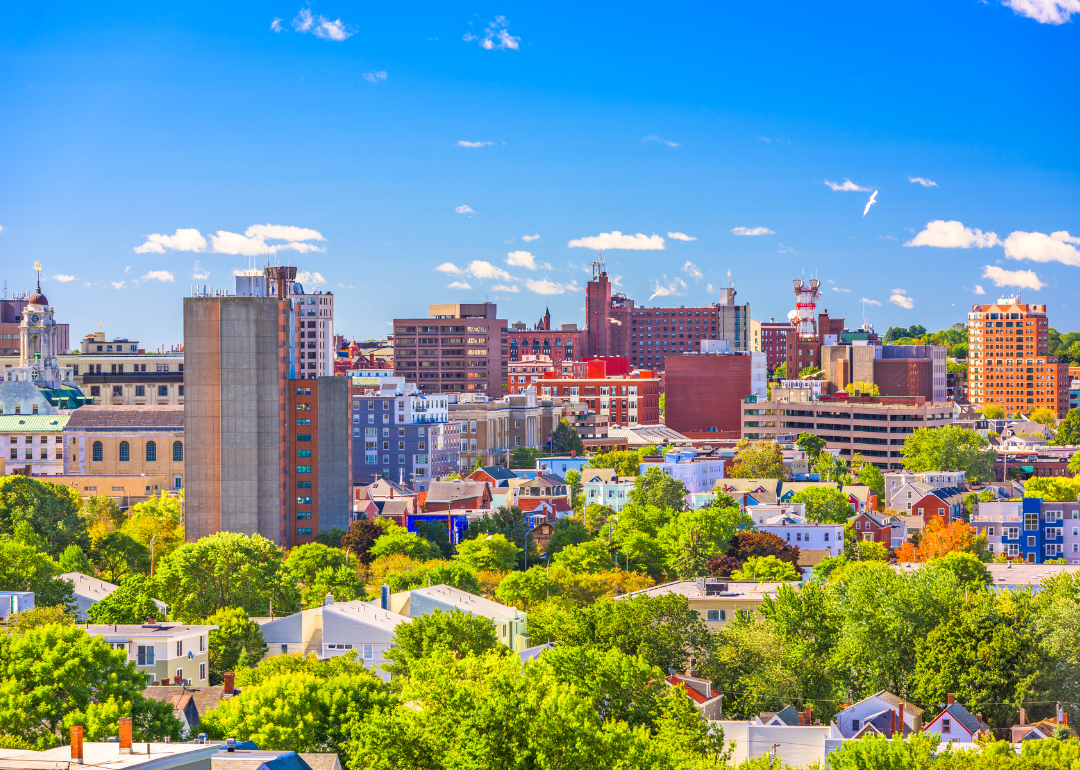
{"x":318,"y":469}
{"x":705,"y":392}
{"x":626,"y":401}
{"x":616,"y":326}
{"x":771,"y":338}
{"x":562,"y":344}
{"x":458,"y":348}
{"x":873,"y":427}
{"x":1008,"y":363}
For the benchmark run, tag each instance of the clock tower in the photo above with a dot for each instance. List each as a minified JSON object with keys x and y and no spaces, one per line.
{"x":37,"y":341}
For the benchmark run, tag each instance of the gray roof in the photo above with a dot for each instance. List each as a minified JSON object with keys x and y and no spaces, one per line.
{"x":452,"y":491}
{"x":165,"y":630}
{"x":970,"y":722}
{"x":167,"y":416}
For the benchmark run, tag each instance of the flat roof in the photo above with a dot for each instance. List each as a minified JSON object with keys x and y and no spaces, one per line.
{"x":367,"y":612}
{"x":165,"y":630}
{"x":746,"y":591}
{"x":1011,"y":573}
{"x":466,"y":602}
{"x":107,"y":755}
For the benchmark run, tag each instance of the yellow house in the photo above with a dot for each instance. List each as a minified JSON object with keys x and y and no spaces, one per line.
{"x":716,"y":600}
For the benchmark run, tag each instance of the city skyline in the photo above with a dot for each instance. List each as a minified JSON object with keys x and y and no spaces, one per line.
{"x":492,"y":153}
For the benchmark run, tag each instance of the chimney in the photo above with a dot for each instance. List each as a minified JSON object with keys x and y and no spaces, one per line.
{"x":952,"y":698}
{"x":809,"y":721}
{"x":76,"y":745}
{"x":229,"y":678}
{"x":892,"y":722}
{"x":165,"y":681}
{"x":329,"y":600}
{"x":979,"y":716}
{"x":1023,"y":716}
{"x":802,"y":717}
{"x":125,"y":735}
{"x":901,"y":719}
{"x":384,"y":597}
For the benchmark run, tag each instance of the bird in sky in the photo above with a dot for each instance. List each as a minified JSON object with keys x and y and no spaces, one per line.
{"x":869,"y":203}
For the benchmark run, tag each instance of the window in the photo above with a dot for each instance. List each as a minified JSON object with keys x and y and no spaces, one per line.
{"x":151,"y":452}
{"x":177,"y":451}
{"x":303,"y":453}
{"x":946,"y":726}
{"x":303,"y":500}
{"x":284,"y":649}
{"x":712,"y":614}
{"x":98,"y":452}
{"x":1031,"y":521}
{"x":303,"y":531}
{"x":301,"y":437}
{"x":163,"y":390}
{"x":202,"y":671}
{"x":303,"y":485}
{"x":367,"y":652}
{"x":125,"y":451}
{"x":180,"y":648}
{"x":303,"y":469}
{"x":146,"y":655}
{"x":202,"y":644}
{"x":303,"y":421}
{"x":179,"y":675}
{"x":140,"y":390}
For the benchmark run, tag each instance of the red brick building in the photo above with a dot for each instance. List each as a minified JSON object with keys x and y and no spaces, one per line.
{"x":563,"y":344}
{"x":871,"y":525}
{"x":704,"y":393}
{"x":771,"y":338}
{"x":626,"y":401}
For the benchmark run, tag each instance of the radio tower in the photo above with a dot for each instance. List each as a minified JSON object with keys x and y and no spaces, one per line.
{"x":805,"y":317}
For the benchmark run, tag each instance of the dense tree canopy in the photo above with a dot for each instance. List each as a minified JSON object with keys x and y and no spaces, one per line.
{"x":565,"y":439}
{"x":624,"y":462}
{"x":51,"y":509}
{"x":654,"y":487}
{"x":824,"y":504}
{"x":455,"y":632}
{"x":132,"y":602}
{"x":24,"y":568}
{"x":489,"y":552}
{"x":237,"y":643}
{"x":949,"y":448}
{"x":759,"y":460}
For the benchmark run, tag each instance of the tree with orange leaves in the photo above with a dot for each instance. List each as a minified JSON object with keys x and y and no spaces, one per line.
{"x":938,"y":540}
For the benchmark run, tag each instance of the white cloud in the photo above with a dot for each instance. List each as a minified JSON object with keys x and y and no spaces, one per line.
{"x":63,"y":278}
{"x":1022,"y":279}
{"x":117,"y":284}
{"x":528,"y":238}
{"x":526,"y":260}
{"x":887,"y":237}
{"x":449,"y":268}
{"x":870,"y":301}
{"x":463,"y":209}
{"x":234,"y":243}
{"x":375,"y":77}
{"x":547,"y":286}
{"x":188,"y":239}
{"x":692,"y":270}
{"x":1039,"y":247}
{"x":1,"y":228}
{"x":673,"y":288}
{"x":275,"y":25}
{"x":283,"y":233}
{"x":496,"y":36}
{"x":320,"y":26}
{"x":127,"y":269}
{"x":681,"y":237}
{"x":751,"y":231}
{"x":463,"y":143}
{"x":709,"y":289}
{"x":478,"y":268}
{"x":900,"y":299}
{"x":310,"y":277}
{"x":616,"y":240}
{"x":458,"y":285}
{"x":979,"y":289}
{"x":661,"y":140}
{"x":922,"y":180}
{"x":846,"y":186}
{"x":158,"y":275}
{"x":786,"y":249}
{"x":199,"y":273}
{"x":845,"y":291}
{"x":953,"y":235}
{"x":510,"y":289}
{"x":1044,"y":11}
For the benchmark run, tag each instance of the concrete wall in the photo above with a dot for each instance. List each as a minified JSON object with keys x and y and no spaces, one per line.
{"x":797,"y":746}
{"x":335,"y":491}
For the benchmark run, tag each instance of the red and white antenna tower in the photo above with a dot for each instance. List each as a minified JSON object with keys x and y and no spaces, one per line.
{"x":805,"y":316}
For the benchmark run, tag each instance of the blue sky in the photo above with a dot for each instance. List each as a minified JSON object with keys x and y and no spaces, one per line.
{"x":377,"y":144}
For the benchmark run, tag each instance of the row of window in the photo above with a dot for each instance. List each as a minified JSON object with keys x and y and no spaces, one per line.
{"x":124,"y":452}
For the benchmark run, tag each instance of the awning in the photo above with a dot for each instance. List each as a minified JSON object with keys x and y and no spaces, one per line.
{"x":1027,"y":468}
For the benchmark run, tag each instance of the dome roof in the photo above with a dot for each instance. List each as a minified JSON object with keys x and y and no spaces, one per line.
{"x":39,"y":299}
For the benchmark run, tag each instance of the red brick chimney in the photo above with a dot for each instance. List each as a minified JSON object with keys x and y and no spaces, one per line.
{"x":125,"y":735}
{"x":901,"y":719}
{"x":1023,"y":716}
{"x":951,"y":698}
{"x":229,"y":678}
{"x":76,"y":745}
{"x":165,"y":681}
{"x":892,"y":722}
{"x":802,"y":718}
{"x":808,"y":713}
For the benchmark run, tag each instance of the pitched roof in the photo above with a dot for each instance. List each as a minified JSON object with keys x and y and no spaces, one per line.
{"x":969,"y":721}
{"x":451,"y":491}
{"x":895,"y":700}
{"x":151,"y":416}
{"x":497,"y":472}
{"x":601,"y":475}
{"x":204,"y":698}
{"x":32,"y":423}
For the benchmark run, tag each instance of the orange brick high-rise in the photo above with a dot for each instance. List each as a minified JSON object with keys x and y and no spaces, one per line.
{"x":1008,"y":364}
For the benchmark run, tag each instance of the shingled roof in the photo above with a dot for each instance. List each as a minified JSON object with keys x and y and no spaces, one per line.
{"x":165,"y":416}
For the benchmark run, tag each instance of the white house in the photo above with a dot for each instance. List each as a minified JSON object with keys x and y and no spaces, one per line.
{"x":903,"y":488}
{"x":955,"y":724}
{"x":882,"y":709}
{"x":792,"y":745}
{"x":603,"y":487}
{"x":697,"y":474}
{"x":15,"y":601}
{"x":789,"y":523}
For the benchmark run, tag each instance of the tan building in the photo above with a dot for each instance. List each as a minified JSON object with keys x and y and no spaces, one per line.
{"x":459,"y":348}
{"x":874,"y":427}
{"x":493,"y":428}
{"x":119,"y":441}
{"x":162,"y":650}
{"x":33,"y":445}
{"x":716,"y":600}
{"x":125,"y":491}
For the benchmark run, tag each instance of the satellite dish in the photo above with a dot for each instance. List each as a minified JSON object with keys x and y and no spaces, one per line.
{"x":792,"y":315}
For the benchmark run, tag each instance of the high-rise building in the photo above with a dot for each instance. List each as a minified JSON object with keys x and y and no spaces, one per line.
{"x":318,"y":466}
{"x":704,"y":392}
{"x":646,"y":336}
{"x":770,"y":337}
{"x":458,"y":348}
{"x":1008,"y":363}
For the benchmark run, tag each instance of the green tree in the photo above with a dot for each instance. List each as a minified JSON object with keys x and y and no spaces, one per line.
{"x":663,"y":402}
{"x":331,"y":537}
{"x":993,"y":412}
{"x":691,"y":539}
{"x":870,"y":475}
{"x":510,"y":522}
{"x":586,"y":557}
{"x":566,"y":439}
{"x":949,"y":448}
{"x":237,"y":642}
{"x":863,"y":389}
{"x":577,"y":490}
{"x":456,"y":632}
{"x":1058,"y":490}
{"x":102,"y":515}
{"x":226,"y":569}
{"x":623,"y":462}
{"x":116,"y":555}
{"x":521,"y":589}
{"x":1044,"y":416}
{"x":526,"y":457}
{"x":399,"y":540}
{"x":21,"y":622}
{"x":301,"y":712}
{"x":654,"y":487}
{"x":566,"y":532}
{"x":759,"y":460}
{"x":1068,"y":433}
{"x":22,"y":568}
{"x":436,"y":533}
{"x":971,"y":573}
{"x":341,"y":583}
{"x":360,"y":539}
{"x":150,"y":719}
{"x":51,"y":509}
{"x":765,"y":568}
{"x":866,"y":550}
{"x":323,"y":570}
{"x":824,"y":504}
{"x":780,"y":372}
{"x":52,"y":672}
{"x":490,"y":552}
{"x":131,"y":603}
{"x":74,"y":559}
{"x":438,"y":572}
{"x":811,"y":443}
{"x":157,"y":521}
{"x":596,"y":516}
